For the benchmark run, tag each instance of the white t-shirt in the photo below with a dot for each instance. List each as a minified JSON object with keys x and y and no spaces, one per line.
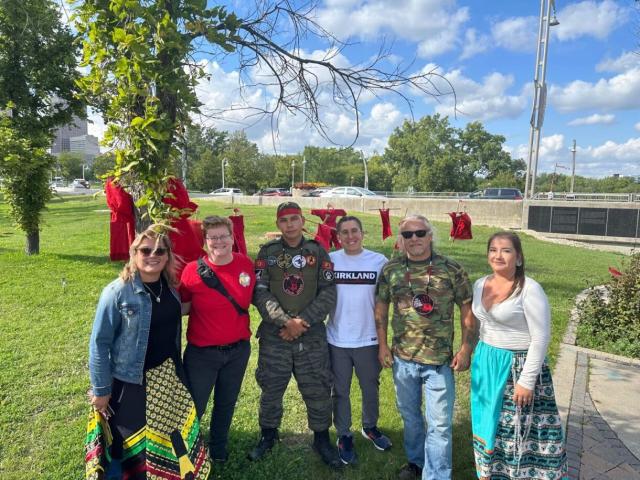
{"x":352,"y":323}
{"x":521,"y":322}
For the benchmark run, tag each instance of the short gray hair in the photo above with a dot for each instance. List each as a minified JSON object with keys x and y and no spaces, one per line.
{"x":417,"y":217}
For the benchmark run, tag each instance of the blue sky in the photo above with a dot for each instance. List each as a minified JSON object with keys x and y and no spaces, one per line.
{"x":486,"y":49}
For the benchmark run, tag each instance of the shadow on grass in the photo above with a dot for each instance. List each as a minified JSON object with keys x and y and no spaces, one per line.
{"x":92,"y":259}
{"x":293,"y":458}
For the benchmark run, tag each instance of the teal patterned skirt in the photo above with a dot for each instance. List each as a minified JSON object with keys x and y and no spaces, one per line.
{"x":528,"y":442}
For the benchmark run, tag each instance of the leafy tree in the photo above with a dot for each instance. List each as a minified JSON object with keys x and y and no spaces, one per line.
{"x":102,"y":165}
{"x":431,"y":155}
{"x":142,"y":76}
{"x":380,"y":174}
{"x":37,"y":88}
{"x":70,"y":164}
{"x":243,"y":157}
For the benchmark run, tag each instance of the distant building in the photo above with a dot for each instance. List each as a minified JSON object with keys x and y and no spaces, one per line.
{"x":74,"y":137}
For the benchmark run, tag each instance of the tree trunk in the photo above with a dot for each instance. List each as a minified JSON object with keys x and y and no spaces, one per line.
{"x":32,"y":246}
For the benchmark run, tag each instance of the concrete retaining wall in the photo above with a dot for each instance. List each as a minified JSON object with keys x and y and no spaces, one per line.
{"x":497,"y":213}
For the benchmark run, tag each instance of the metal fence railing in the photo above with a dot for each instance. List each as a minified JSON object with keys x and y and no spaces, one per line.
{"x":566,"y":196}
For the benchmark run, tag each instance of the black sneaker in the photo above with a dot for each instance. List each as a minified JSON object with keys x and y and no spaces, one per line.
{"x":328,"y":453}
{"x":410,"y":471}
{"x":380,"y":441}
{"x":267,"y":441}
{"x":345,"y":450}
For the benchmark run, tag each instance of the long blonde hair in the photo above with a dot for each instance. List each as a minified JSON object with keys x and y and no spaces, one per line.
{"x":154,"y":232}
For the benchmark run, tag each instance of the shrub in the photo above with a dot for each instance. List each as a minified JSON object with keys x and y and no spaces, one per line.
{"x":610,"y":320}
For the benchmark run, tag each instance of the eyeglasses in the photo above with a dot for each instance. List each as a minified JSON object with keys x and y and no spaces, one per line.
{"x":409,"y":233}
{"x":221,"y":238}
{"x":147,"y":251}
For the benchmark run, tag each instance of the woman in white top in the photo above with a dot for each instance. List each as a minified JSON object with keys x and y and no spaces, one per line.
{"x":517,"y":432}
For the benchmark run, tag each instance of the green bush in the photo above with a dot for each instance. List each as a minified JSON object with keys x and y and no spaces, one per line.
{"x":611,"y":321}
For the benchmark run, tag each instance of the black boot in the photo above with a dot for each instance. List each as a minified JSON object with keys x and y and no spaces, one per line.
{"x":328,"y":453}
{"x":268,"y":439}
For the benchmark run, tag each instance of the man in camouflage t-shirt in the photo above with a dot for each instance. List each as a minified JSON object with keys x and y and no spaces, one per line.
{"x":423,"y":288}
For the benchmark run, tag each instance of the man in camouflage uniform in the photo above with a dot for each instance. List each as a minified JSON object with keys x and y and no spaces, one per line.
{"x":423,"y":288}
{"x":294,"y":293}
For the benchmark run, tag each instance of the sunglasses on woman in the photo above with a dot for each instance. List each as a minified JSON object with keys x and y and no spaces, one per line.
{"x":410,"y":233}
{"x":147,"y":251}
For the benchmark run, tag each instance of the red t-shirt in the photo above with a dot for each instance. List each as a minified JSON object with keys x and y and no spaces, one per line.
{"x":213,"y":320}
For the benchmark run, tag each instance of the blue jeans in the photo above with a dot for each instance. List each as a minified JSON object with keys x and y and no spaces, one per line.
{"x":427,"y":446}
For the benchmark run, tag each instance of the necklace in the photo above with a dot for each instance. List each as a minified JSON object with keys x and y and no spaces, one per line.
{"x":153,"y":294}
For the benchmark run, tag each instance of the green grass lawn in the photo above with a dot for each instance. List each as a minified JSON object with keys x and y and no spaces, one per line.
{"x":46,"y":311}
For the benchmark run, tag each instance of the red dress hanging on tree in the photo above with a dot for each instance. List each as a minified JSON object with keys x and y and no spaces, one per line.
{"x":122,"y":227}
{"x":461,"y":226}
{"x":326,"y":234}
{"x":239,"y":244}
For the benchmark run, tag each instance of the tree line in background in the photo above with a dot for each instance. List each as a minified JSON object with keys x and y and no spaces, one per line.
{"x":428,"y":155}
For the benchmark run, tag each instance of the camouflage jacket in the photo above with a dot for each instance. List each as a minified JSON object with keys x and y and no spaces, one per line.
{"x":293,"y":282}
{"x":418,"y":335}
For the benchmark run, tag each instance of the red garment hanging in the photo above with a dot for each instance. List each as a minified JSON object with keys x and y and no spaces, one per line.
{"x":323,"y":235}
{"x":122,"y":227}
{"x":239,"y":244}
{"x":386,"y":224}
{"x":329,"y":218}
{"x":461,"y":226}
{"x":187,"y":244}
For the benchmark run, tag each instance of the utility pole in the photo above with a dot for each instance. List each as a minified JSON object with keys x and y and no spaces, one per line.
{"x":293,"y":174}
{"x":366,"y":172}
{"x":573,"y":166}
{"x":540,"y":94}
{"x":304,"y":167}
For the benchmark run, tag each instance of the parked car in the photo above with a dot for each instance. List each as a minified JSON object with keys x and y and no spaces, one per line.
{"x":498,"y":194}
{"x":273,"y":192}
{"x":226,"y":192}
{"x":350,"y":192}
{"x":316,"y":192}
{"x":80,"y":183}
{"x":57,"y":182}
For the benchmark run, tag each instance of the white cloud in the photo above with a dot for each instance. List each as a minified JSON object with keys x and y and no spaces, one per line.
{"x":433,"y":24}
{"x":637,"y":126}
{"x":589,"y":18}
{"x":626,"y":61}
{"x":591,"y":161}
{"x":516,"y":33}
{"x":486,"y":100}
{"x":595,"y":119}
{"x":474,"y":44}
{"x":621,"y":92}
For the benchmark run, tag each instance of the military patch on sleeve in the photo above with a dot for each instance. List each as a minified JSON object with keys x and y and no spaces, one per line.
{"x":261,"y":264}
{"x":327,"y":275}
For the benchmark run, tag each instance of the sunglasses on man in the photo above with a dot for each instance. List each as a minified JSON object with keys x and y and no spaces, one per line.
{"x":407,"y":234}
{"x":147,"y":251}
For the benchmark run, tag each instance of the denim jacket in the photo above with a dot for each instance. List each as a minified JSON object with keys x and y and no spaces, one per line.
{"x":120,"y":334}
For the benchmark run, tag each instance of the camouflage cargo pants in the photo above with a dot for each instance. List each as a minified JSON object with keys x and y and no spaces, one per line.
{"x":308,"y":361}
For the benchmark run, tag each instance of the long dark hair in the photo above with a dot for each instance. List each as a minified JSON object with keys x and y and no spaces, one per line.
{"x":518,"y":280}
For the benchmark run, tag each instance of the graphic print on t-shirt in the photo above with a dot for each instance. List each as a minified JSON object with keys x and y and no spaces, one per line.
{"x":355,"y":278}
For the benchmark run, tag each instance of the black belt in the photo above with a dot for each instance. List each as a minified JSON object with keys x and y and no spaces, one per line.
{"x":228,"y":346}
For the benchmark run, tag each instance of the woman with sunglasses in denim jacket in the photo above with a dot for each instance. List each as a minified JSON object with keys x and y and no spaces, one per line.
{"x":145,"y":422}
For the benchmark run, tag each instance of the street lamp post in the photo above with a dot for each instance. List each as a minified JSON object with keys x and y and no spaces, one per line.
{"x":540,"y":94}
{"x":304,"y":167}
{"x":366,"y":172}
{"x":293,"y":174}
{"x":573,"y":166}
{"x":225,"y":163}
{"x":83,"y":167}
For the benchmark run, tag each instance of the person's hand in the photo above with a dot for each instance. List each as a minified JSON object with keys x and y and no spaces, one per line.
{"x":294,"y":328}
{"x":384,"y":356}
{"x":461,"y":361}
{"x":101,"y":405}
{"x":522,"y":396}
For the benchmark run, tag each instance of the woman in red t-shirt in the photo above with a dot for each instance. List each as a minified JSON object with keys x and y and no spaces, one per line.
{"x":216,"y":291}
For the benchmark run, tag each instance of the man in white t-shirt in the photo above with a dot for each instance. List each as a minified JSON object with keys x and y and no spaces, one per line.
{"x":352,"y":337}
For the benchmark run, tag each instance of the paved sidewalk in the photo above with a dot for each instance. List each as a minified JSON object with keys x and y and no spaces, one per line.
{"x":598,"y":396}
